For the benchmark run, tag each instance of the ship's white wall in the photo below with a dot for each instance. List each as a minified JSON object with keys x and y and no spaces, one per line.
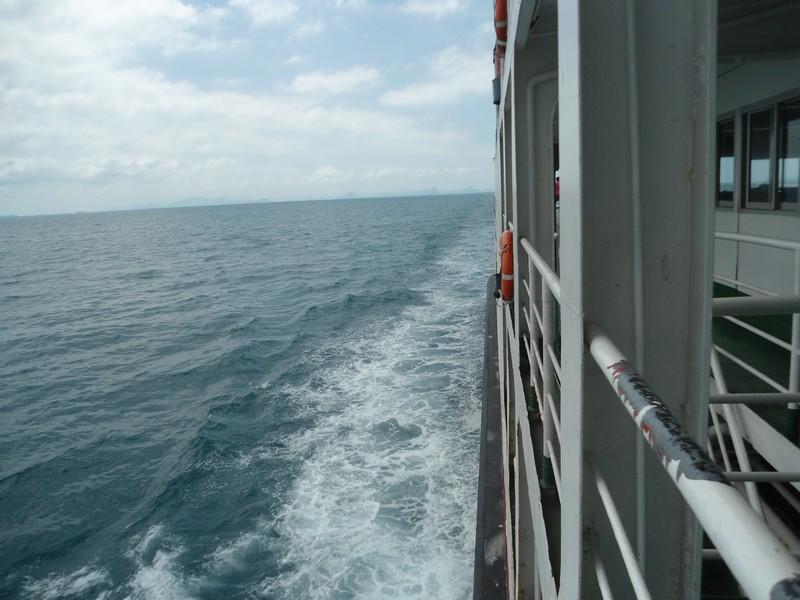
{"x":740,"y":85}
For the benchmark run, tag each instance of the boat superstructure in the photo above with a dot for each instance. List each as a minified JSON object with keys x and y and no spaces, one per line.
{"x":641,"y":388}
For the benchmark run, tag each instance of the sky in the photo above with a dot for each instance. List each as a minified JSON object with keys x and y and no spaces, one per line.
{"x":117,"y":104}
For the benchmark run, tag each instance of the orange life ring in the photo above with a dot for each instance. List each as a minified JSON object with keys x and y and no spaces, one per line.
{"x":501,"y":24}
{"x":507,"y":266}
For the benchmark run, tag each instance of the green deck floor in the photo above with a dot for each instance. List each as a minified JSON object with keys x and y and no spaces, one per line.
{"x":761,"y":354}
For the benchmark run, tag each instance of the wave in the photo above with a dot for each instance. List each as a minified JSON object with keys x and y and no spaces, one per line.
{"x":78,"y":584}
{"x":384,"y":502}
{"x":158,"y":574}
{"x":315,"y":446}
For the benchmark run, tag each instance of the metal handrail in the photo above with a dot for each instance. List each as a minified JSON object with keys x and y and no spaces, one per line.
{"x":751,"y":369}
{"x":548,"y":275}
{"x":754,"y":554}
{"x":754,"y":398}
{"x":753,"y":476}
{"x":774,"y":305}
{"x":742,"y":306}
{"x":760,"y":333}
{"x":623,"y":543}
{"x":757,"y":240}
{"x":743,"y":284}
{"x":556,"y":469}
{"x":731,"y":414}
{"x":549,"y":367}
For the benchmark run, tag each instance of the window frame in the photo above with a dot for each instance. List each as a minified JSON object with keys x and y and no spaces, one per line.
{"x":784,"y":207}
{"x":770,"y":203}
{"x":742,"y":155}
{"x":735,"y":117}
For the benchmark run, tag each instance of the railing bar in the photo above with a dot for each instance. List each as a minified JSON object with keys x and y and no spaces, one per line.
{"x":752,"y":370}
{"x":713,"y":554}
{"x":740,"y":306}
{"x":794,"y":360}
{"x":624,"y":545}
{"x":710,"y":449}
{"x":526,"y":317}
{"x":731,"y":414}
{"x":509,"y":326}
{"x":602,"y":578}
{"x":556,"y":419}
{"x":548,"y":275}
{"x":527,"y":288}
{"x":757,"y":240}
{"x":760,"y":564}
{"x":556,"y":363}
{"x":556,"y":470}
{"x":755,"y":398}
{"x":751,"y":476}
{"x":534,"y":379}
{"x":759,"y":332}
{"x":788,"y":496}
{"x":526,"y":342}
{"x":737,"y":283}
{"x":723,"y":447}
{"x":538,"y":357}
{"x":537,"y":315}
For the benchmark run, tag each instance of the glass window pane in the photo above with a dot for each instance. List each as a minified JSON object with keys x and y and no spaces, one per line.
{"x":789,"y":152}
{"x":725,"y":157}
{"x":759,"y":125}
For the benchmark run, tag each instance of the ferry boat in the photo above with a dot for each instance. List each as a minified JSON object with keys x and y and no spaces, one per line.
{"x":642,"y":357}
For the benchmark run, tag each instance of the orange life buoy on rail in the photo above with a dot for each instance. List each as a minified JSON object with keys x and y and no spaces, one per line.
{"x":507,"y":266}
{"x":501,"y":24}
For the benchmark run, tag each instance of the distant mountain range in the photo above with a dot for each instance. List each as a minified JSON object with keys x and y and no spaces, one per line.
{"x":219,"y":200}
{"x":204,"y":201}
{"x":223,"y":201}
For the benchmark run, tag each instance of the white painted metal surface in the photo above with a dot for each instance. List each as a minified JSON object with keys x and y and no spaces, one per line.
{"x":627,"y":89}
{"x":754,"y":554}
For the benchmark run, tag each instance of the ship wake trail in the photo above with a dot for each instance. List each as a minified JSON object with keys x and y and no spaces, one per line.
{"x":384,"y":504}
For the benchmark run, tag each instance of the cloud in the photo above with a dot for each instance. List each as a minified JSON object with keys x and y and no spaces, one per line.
{"x":435,"y":9}
{"x":90,"y":121}
{"x":308,"y":28}
{"x":266,"y":12}
{"x":120,"y":27}
{"x":328,"y":174}
{"x":452,"y":74}
{"x":334,"y":82}
{"x":295,"y":59}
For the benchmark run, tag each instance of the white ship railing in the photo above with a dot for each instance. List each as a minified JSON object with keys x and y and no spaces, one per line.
{"x":545,"y":365}
{"x":742,"y":424}
{"x":753,"y":552}
{"x":729,"y":308}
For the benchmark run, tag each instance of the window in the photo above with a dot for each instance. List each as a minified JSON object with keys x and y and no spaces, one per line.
{"x":788,"y":154}
{"x":758,"y":157}
{"x":759,"y":174}
{"x":725,"y":162}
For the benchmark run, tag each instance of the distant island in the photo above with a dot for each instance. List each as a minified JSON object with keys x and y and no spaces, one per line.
{"x":196,"y":201}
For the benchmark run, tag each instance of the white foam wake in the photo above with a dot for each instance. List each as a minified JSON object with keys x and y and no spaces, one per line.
{"x":158,"y":575}
{"x":385,"y":503}
{"x":78,"y":584}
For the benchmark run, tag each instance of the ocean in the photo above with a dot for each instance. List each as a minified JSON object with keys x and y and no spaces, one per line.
{"x":272,"y":400}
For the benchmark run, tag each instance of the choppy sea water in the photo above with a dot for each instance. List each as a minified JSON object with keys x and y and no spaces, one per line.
{"x":260,"y":401}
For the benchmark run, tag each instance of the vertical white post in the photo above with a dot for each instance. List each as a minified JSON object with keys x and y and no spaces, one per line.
{"x":794,"y":364}
{"x":548,"y":383}
{"x":636,"y":121}
{"x":532,"y":335}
